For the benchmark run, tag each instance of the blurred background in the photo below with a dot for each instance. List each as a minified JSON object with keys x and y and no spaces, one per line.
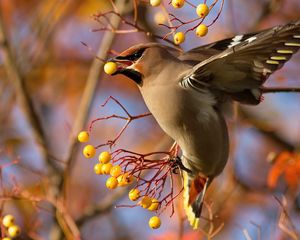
{"x":52,"y":87}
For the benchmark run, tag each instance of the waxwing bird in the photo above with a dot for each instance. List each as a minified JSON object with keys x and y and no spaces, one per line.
{"x":185,"y":93}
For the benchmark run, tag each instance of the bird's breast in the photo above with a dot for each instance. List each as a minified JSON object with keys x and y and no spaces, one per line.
{"x":193,"y":123}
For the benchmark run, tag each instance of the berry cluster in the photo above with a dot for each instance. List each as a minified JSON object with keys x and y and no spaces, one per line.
{"x":202,"y":10}
{"x":120,"y":178}
{"x":11,"y":230}
{"x":149,"y":172}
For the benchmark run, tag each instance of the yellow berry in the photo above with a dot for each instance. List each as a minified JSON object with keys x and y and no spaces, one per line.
{"x":202,"y":10}
{"x":111,"y":183}
{"x":6,"y":238}
{"x":178,"y":3}
{"x":98,"y":168}
{"x":201,"y":30}
{"x":155,"y":3}
{"x":154,"y":222}
{"x":89,"y":151}
{"x":159,"y":18}
{"x":125,"y":179}
{"x":134,"y":194}
{"x":179,"y":38}
{"x":116,"y":171}
{"x":14,"y":231}
{"x":83,"y":136}
{"x":8,"y":220}
{"x":146,"y":202}
{"x":104,"y":157}
{"x":154,"y":205}
{"x":110,"y":68}
{"x":105,"y":169}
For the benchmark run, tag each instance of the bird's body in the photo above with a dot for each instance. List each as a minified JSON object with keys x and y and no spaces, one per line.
{"x":201,"y":132}
{"x":185,"y":93}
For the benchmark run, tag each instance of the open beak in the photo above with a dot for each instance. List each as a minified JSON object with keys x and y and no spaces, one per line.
{"x":124,"y":67}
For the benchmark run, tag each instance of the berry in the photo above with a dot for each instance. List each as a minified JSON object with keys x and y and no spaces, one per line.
{"x":155,"y":3}
{"x":179,"y":38}
{"x":110,"y":68}
{"x":125,"y":179}
{"x":98,"y":168}
{"x":14,"y":231}
{"x":154,"y":222}
{"x":178,"y":3}
{"x":202,"y":10}
{"x":116,"y":171}
{"x":8,"y":220}
{"x":146,"y":202}
{"x":154,"y":205}
{"x":6,"y":238}
{"x":104,"y":157}
{"x":134,"y":194}
{"x":106,"y":168}
{"x":89,"y":151}
{"x":111,"y":183}
{"x":159,"y":18}
{"x":83,"y":136}
{"x":201,"y":30}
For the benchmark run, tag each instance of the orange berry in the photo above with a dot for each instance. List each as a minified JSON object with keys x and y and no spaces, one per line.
{"x":14,"y":231}
{"x":177,"y":3}
{"x":202,"y":10}
{"x":134,"y":194}
{"x":116,"y":171}
{"x":89,"y":151}
{"x":179,"y":38}
{"x":105,"y":169}
{"x":125,"y":179}
{"x":110,"y":68}
{"x":98,"y":168}
{"x":146,"y":202}
{"x":111,"y":183}
{"x":201,"y":30}
{"x":154,"y":222}
{"x":159,"y":18}
{"x":154,"y":205}
{"x":8,"y":220}
{"x":104,"y":157}
{"x":83,"y":136}
{"x":155,"y":3}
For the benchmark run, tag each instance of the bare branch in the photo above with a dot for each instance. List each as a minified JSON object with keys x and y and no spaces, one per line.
{"x":90,"y":88}
{"x":24,"y":100}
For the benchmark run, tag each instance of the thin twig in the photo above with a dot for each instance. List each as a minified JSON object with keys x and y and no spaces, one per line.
{"x":89,"y":91}
{"x":24,"y":100}
{"x":278,"y":90}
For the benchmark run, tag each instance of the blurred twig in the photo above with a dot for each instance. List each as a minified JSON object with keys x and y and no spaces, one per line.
{"x":285,"y":223}
{"x":265,"y":130}
{"x":23,"y":97}
{"x":109,"y":202}
{"x":89,"y":91}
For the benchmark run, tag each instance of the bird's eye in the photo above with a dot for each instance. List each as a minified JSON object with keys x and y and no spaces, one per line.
{"x":136,"y":56}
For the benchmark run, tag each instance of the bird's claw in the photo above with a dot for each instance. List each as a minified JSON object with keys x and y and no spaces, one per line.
{"x":177,"y":164}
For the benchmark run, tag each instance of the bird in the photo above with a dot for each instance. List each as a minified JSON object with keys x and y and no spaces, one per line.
{"x":186,"y":93}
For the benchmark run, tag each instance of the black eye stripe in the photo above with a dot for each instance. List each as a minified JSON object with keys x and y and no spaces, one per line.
{"x":135,"y":56}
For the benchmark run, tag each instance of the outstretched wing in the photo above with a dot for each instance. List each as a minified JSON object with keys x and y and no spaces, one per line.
{"x":206,"y":51}
{"x":241,"y":70}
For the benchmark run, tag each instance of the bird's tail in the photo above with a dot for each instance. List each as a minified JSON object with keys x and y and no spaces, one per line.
{"x":193,"y":195}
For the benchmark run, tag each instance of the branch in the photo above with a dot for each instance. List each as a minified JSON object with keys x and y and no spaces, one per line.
{"x":89,"y":91}
{"x":23,"y":97}
{"x":278,"y":90}
{"x":265,"y":129}
{"x":109,"y":202}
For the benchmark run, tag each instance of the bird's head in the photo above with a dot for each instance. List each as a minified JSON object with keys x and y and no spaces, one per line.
{"x":139,"y":62}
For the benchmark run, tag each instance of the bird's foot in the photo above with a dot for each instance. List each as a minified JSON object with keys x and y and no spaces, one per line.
{"x":177,"y":164}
